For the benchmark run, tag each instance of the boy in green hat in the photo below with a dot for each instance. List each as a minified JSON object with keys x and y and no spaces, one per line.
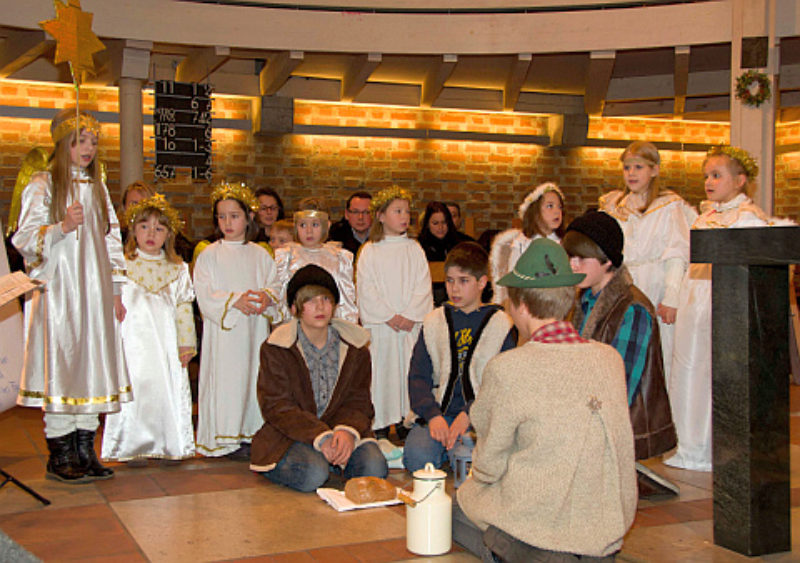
{"x":553,"y":470}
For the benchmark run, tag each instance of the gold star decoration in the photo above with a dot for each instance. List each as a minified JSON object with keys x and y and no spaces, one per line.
{"x":75,"y":41}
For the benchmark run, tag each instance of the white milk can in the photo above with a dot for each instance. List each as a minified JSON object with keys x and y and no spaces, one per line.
{"x":429,"y":521}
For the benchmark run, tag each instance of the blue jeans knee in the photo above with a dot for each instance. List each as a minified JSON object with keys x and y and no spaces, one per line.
{"x":420,"y":449}
{"x":301,"y":468}
{"x":367,"y":460}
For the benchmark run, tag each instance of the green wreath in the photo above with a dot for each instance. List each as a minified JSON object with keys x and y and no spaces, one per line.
{"x":753,"y":88}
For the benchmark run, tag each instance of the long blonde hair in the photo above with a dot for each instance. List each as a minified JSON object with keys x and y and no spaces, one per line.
{"x":61,"y":171}
{"x":649,"y":153}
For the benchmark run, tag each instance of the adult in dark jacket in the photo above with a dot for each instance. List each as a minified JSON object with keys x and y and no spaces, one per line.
{"x":353,"y":229}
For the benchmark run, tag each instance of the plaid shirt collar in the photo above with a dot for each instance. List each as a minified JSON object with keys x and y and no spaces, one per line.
{"x":558,"y":332}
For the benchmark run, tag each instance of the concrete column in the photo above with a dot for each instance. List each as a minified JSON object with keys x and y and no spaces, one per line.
{"x":131,"y":136}
{"x":753,"y":128}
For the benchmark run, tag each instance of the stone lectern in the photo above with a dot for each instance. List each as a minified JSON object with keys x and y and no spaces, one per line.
{"x":750,"y":383}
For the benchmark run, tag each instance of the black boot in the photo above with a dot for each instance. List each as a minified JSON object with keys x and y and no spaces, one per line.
{"x":63,"y":464}
{"x":88,"y":459}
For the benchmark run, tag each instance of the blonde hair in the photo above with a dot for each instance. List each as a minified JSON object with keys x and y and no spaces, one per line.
{"x":379,"y":204}
{"x":736,"y":166}
{"x":306,"y":207}
{"x":544,"y":302}
{"x":61,"y":171}
{"x":283,"y":225}
{"x":132,"y":250}
{"x":649,"y":153}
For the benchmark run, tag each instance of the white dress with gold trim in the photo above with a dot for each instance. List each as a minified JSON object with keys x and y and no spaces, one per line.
{"x":690,"y":385}
{"x":228,"y":411}
{"x":73,"y":363}
{"x":158,"y":299}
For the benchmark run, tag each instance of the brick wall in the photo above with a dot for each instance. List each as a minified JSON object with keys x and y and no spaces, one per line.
{"x":787,"y":171}
{"x":489,"y":179}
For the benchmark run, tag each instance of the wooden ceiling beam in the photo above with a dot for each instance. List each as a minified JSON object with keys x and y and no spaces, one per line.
{"x":277,"y":71}
{"x":516,"y":78}
{"x":201,"y":63}
{"x":681,"y":79}
{"x":357,"y":74}
{"x":21,"y":49}
{"x":598,"y":77}
{"x":435,"y":79}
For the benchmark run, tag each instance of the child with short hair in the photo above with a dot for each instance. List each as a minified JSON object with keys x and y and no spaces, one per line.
{"x":613,"y":310}
{"x":236,"y":285}
{"x":553,"y":473}
{"x":541,"y":213}
{"x":69,"y":237}
{"x":314,"y":392}
{"x":158,"y":338}
{"x":311,"y":225}
{"x":281,"y":233}
{"x":394,"y":295}
{"x":655,"y":222}
{"x":454,"y":345}
{"x":729,"y":174}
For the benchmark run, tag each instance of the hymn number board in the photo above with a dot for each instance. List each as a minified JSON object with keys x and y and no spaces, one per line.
{"x":182,"y":123}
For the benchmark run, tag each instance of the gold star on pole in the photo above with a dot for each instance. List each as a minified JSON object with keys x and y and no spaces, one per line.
{"x":75,"y":41}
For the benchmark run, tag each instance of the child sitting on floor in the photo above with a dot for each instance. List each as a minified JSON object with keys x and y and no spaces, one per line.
{"x":314,"y":392}
{"x":540,"y":492}
{"x":465,"y":330}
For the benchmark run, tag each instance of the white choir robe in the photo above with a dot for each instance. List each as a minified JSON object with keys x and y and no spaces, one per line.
{"x":228,"y":411}
{"x":73,"y":358}
{"x":690,"y":386}
{"x":334,"y":259}
{"x":656,"y":252}
{"x":392,"y":278}
{"x":158,"y":300}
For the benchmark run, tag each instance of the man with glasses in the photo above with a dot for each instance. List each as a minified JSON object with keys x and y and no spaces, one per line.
{"x":353,"y":230}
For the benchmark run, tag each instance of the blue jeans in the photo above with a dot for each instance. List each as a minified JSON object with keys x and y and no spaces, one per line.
{"x":420,"y":448}
{"x":305,"y":469}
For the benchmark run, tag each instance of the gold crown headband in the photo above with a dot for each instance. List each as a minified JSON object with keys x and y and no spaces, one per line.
{"x":385,"y":197}
{"x":85,"y":123}
{"x":239,"y":192}
{"x":159,"y":203}
{"x":739,"y":155}
{"x":310,"y":214}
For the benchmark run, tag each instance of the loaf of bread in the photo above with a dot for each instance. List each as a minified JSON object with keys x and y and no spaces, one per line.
{"x":362,"y":490}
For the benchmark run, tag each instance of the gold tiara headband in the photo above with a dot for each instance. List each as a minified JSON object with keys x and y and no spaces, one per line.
{"x":310,"y":214}
{"x":160,"y":204}
{"x":239,"y":192}
{"x":385,"y":197}
{"x":85,"y":123}
{"x":739,"y":155}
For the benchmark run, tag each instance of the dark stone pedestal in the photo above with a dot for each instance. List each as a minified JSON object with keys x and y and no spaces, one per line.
{"x":750,"y":346}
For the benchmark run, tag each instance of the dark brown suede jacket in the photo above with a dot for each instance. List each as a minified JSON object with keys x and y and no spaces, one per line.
{"x":287,"y":400}
{"x":651,"y":415}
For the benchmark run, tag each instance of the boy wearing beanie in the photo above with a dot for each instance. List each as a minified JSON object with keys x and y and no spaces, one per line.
{"x":314,"y":392}
{"x":553,"y":475}
{"x":614,"y":311}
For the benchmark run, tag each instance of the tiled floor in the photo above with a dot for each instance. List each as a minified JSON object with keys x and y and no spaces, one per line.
{"x":217,"y":510}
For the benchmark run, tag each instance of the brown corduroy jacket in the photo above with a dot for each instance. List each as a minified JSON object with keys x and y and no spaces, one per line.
{"x":287,"y":400}
{"x":651,"y":415}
